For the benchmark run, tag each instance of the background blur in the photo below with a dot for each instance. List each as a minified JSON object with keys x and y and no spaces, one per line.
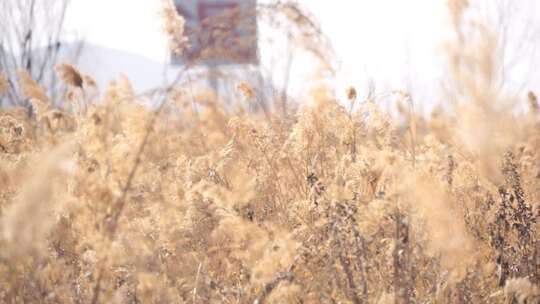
{"x":377,"y":45}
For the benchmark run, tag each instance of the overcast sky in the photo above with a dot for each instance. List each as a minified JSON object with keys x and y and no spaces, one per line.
{"x":389,"y":40}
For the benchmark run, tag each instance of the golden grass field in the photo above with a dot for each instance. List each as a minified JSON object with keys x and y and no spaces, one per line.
{"x":106,"y":200}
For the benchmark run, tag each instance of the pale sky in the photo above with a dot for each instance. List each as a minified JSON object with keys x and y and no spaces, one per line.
{"x":389,"y":40}
{"x":370,"y":35}
{"x":365,"y":26}
{"x":131,"y":25}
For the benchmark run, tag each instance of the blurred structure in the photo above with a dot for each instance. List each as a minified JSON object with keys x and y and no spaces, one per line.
{"x":222,"y":37}
{"x":220,"y":32}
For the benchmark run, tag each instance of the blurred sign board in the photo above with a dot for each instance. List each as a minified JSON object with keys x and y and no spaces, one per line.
{"x":219,"y":31}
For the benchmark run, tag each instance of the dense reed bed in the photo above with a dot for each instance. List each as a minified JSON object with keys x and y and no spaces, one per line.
{"x":107,"y":200}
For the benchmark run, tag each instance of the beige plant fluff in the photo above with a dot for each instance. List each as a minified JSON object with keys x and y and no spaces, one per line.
{"x":30,"y":88}
{"x":522,"y":289}
{"x":174,"y":27}
{"x":4,"y":85}
{"x":175,"y":196}
{"x":69,"y":75}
